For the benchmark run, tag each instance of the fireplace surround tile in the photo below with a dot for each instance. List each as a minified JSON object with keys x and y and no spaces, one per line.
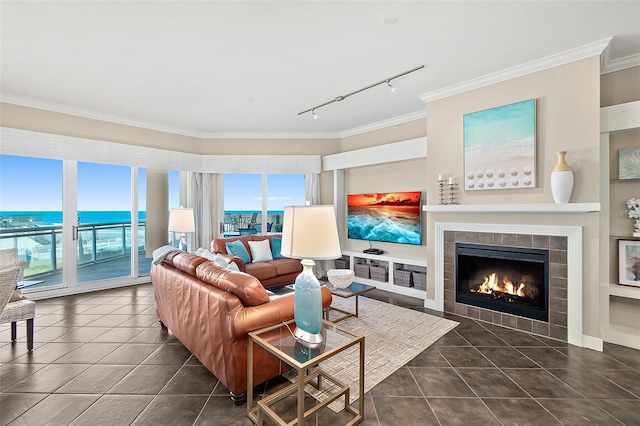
{"x":486,"y":315}
{"x":540,"y":328}
{"x":509,"y":320}
{"x":558,"y":332}
{"x":556,"y":328}
{"x":558,"y":270}
{"x":473,"y":312}
{"x":524,"y":240}
{"x":524,"y":324}
{"x":509,"y":239}
{"x":540,"y":241}
{"x":558,"y":243}
{"x":486,"y":238}
{"x":558,"y":256}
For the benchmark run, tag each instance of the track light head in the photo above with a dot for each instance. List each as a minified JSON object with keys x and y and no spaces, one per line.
{"x":315,"y":116}
{"x":392,"y":88}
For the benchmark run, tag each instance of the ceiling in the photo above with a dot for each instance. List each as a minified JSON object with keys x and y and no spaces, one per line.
{"x":215,"y":68}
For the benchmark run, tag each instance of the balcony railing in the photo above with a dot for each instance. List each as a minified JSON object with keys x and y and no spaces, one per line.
{"x":41,"y":246}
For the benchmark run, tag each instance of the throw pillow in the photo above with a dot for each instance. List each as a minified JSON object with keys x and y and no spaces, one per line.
{"x":16,"y":295}
{"x":276,"y":246}
{"x":260,"y":251}
{"x":236,"y":248}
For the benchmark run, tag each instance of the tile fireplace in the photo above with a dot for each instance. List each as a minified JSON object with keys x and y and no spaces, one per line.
{"x":549,"y":263}
{"x":513,"y":280}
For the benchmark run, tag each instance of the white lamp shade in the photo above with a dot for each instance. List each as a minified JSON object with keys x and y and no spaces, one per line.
{"x":181,"y":220}
{"x":310,"y":232}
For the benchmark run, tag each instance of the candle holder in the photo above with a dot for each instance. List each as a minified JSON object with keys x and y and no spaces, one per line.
{"x":441,"y":184}
{"x":452,"y":193}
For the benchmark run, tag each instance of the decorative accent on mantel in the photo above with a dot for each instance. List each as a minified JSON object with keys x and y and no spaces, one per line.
{"x":515,"y":208}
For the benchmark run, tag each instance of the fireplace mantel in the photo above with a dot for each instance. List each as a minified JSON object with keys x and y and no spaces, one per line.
{"x":514,"y":208}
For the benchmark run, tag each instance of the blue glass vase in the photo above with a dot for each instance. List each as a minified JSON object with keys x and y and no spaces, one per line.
{"x":307,"y":309}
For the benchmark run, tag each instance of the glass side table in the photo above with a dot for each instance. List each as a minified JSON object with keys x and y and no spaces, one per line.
{"x":354,"y":290}
{"x":278,"y":340}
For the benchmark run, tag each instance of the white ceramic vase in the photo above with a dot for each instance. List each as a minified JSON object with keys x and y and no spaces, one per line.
{"x":561,"y":180}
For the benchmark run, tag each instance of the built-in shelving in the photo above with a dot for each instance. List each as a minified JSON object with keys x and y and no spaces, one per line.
{"x":624,"y":117}
{"x":392,"y":263}
{"x":627,"y":291}
{"x":624,"y":180}
{"x":514,"y":208}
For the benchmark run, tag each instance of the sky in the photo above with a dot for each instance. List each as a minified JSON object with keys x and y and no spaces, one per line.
{"x":244,"y":191}
{"x":35,"y":184}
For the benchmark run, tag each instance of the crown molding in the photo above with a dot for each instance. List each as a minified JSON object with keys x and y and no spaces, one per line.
{"x":613,"y":65}
{"x":384,"y":123}
{"x":551,"y":61}
{"x":289,"y":135}
{"x":64,"y":109}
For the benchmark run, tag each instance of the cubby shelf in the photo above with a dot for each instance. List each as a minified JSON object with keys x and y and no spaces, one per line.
{"x":392,"y":263}
{"x":627,"y":291}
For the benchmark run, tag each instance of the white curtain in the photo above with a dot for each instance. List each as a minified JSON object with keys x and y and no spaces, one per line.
{"x":201,"y":203}
{"x":157,"y":202}
{"x":312,"y":188}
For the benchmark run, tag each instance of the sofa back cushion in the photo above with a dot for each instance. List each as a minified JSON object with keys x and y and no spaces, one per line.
{"x":246,"y":287}
{"x":186,"y":262}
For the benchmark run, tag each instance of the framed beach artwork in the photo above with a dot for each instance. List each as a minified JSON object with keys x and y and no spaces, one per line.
{"x":629,"y":163}
{"x":629,"y":262}
{"x":500,"y":147}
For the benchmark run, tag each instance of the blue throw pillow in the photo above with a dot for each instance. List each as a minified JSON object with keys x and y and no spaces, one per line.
{"x":236,"y":248}
{"x":276,"y":246}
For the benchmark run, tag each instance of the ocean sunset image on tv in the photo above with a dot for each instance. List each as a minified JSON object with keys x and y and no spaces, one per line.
{"x":392,"y":217}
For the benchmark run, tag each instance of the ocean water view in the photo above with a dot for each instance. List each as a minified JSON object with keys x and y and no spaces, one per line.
{"x":44,"y":218}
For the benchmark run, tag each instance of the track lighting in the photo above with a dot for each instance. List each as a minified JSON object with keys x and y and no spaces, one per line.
{"x":343,"y":97}
{"x":391,"y":86}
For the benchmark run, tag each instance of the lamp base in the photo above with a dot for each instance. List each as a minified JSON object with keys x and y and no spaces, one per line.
{"x":308,"y":339}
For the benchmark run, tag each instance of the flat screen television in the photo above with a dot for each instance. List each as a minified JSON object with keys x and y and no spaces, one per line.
{"x":392,"y":217}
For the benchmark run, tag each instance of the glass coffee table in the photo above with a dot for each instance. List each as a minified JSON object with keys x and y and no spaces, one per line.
{"x":354,"y":290}
{"x":279,"y":341}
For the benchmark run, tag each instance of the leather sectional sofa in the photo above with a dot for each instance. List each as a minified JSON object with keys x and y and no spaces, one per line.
{"x":272,"y":273}
{"x":211,"y":310}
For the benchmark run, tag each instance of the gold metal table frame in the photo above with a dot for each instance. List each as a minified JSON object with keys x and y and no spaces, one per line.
{"x":354,"y":290}
{"x":279,"y":342}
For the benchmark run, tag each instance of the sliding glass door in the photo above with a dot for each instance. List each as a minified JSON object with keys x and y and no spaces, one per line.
{"x":104,"y":222}
{"x":31,"y":216}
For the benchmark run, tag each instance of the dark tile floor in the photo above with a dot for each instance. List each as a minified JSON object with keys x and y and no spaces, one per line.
{"x":102,"y":359}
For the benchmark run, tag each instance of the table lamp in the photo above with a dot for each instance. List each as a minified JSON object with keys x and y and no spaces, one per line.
{"x":181,"y":220}
{"x":309,"y":233}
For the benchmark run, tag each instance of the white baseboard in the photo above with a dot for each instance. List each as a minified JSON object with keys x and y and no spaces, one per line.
{"x":595,"y":343}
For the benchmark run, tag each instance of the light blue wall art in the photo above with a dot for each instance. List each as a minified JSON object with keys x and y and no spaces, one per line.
{"x":500,"y":147}
{"x":629,"y":163}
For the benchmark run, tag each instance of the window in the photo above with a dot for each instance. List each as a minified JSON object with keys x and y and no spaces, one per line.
{"x":248,"y":198}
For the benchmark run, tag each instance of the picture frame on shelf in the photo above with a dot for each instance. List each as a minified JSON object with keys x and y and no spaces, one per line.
{"x":500,"y":147}
{"x":629,"y":163}
{"x":629,"y":262}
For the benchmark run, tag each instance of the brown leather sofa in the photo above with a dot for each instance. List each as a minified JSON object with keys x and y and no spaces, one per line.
{"x":211,"y":310}
{"x":272,"y":273}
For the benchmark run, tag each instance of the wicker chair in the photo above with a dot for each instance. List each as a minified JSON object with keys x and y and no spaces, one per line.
{"x":9,"y":257}
{"x":19,"y":310}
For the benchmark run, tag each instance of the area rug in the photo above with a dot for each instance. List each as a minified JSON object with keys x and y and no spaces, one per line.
{"x":393,"y":337}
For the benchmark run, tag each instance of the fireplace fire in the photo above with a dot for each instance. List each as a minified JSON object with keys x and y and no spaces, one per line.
{"x":513,"y":280}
